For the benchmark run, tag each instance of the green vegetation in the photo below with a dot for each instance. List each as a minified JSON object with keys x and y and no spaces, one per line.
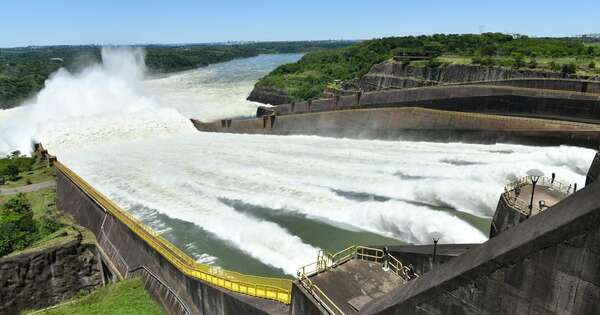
{"x":308,"y":77}
{"x":24,"y":70}
{"x":26,"y":218}
{"x":20,"y":227}
{"x":19,"y":170}
{"x":124,"y":297}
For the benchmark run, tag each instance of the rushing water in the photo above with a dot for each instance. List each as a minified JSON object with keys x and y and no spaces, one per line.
{"x":266,"y":204}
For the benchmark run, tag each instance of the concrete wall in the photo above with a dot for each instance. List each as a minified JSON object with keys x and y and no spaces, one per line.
{"x":548,"y":264}
{"x":505,"y":217}
{"x":41,"y":278}
{"x":594,"y":171}
{"x":131,"y":255}
{"x":504,"y":100}
{"x":420,"y":257}
{"x":303,"y":302}
{"x":417,"y":123}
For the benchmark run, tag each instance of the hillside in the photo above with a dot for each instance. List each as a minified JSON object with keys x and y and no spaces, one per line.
{"x":23,"y":70}
{"x":309,"y":77}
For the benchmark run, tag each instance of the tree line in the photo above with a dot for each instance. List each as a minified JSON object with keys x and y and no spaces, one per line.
{"x":23,"y":70}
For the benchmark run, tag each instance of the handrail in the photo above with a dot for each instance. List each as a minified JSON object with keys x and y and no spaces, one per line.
{"x":277,"y":289}
{"x":401,"y":270}
{"x":320,"y":296}
{"x":329,"y":260}
{"x":511,"y":196}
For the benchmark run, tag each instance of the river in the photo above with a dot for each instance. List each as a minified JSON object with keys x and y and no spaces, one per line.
{"x":263,"y":204}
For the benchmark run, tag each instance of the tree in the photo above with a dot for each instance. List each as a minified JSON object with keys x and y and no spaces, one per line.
{"x":17,"y":227}
{"x":554,"y":66}
{"x":518,"y":61}
{"x":569,"y":68}
{"x":532,"y":64}
{"x":12,"y":172}
{"x":488,"y":62}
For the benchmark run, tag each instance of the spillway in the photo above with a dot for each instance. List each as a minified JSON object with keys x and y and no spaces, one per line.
{"x":266,"y":204}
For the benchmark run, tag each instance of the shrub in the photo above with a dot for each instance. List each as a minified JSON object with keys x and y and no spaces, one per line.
{"x":47,"y":225}
{"x":434,"y":63}
{"x":476,"y":60}
{"x":532,"y":64}
{"x":487,"y":62}
{"x":554,"y":66}
{"x":592,"y":65}
{"x":17,"y":227}
{"x":518,"y":61}
{"x":569,"y":68}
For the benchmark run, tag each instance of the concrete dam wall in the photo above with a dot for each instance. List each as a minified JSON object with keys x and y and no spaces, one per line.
{"x":173,"y":279}
{"x":415,"y":123}
{"x":548,"y":264}
{"x":486,"y":99}
{"x":557,"y":113}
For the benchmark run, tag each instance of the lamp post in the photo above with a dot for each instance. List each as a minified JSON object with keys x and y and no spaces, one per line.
{"x":435,"y":236}
{"x":535,"y":175}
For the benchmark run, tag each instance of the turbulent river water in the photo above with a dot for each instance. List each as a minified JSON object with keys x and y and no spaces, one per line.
{"x":262,"y":204}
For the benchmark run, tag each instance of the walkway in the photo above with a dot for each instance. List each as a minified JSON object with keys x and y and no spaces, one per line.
{"x":549,"y":196}
{"x":28,"y":188}
{"x":354,"y":283}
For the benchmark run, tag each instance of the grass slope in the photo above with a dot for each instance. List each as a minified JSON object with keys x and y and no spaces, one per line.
{"x":122,"y":298}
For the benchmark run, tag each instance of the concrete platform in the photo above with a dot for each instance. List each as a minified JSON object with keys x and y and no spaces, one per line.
{"x":353,"y":284}
{"x":547,"y":194}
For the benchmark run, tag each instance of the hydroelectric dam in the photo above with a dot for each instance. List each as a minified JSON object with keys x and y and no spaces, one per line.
{"x":331,"y":206}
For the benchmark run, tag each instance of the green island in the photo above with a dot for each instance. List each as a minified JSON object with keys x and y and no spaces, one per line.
{"x":308,"y":77}
{"x":23,"y":70}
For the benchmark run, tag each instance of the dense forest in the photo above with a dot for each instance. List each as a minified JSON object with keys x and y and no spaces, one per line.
{"x":308,"y":77}
{"x":24,"y":70}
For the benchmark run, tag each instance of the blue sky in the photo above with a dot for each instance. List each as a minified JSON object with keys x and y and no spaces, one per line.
{"x":44,"y":22}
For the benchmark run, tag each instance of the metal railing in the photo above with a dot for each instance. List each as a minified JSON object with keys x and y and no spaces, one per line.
{"x":277,"y":289}
{"x":512,"y":194}
{"x":400,"y":269}
{"x":326,"y":261}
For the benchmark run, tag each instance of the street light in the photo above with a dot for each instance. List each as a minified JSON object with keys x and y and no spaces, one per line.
{"x":435,"y":236}
{"x":535,"y":175}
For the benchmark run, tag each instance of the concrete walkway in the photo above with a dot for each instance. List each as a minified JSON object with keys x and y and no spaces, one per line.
{"x":354,"y":283}
{"x":28,"y":188}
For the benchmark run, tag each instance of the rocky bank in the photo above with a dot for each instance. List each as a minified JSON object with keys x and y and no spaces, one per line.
{"x":398,"y":75}
{"x":46,"y":276}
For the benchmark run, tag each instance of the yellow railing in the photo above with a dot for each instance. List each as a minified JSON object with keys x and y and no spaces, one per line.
{"x":332,"y":260}
{"x":277,"y":289}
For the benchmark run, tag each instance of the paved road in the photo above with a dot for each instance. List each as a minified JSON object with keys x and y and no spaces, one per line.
{"x":28,"y":188}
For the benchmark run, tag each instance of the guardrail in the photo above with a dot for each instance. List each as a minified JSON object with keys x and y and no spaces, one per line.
{"x":277,"y":289}
{"x":512,"y":192}
{"x":327,"y":260}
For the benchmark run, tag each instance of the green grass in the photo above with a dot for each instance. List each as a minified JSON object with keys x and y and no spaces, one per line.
{"x":42,"y":201}
{"x":39,"y":173}
{"x":122,"y":298}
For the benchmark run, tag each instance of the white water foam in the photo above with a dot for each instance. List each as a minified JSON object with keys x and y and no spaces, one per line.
{"x":128,"y":138}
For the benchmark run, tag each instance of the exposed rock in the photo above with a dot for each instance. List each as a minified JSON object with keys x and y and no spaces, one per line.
{"x":268,"y":95}
{"x":392,"y":74}
{"x":38,"y":279}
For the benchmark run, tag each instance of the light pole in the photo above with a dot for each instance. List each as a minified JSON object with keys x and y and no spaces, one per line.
{"x":435,"y":236}
{"x":535,"y":175}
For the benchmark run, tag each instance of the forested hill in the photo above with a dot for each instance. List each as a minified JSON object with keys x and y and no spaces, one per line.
{"x":308,"y":77}
{"x":24,"y":70}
